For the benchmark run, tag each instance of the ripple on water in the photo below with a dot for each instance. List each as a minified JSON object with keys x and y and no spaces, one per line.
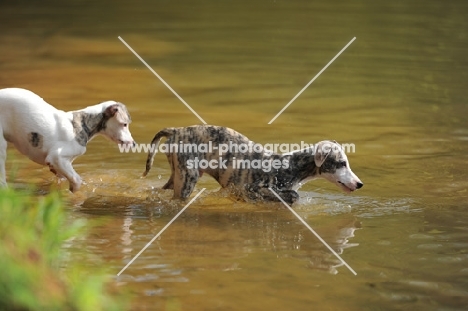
{"x":423,"y":284}
{"x":423,"y":291}
{"x":154,"y":292}
{"x":451,"y":259}
{"x":420,"y":236}
{"x":464,"y":271}
{"x":400,"y":297}
{"x":148,"y":277}
{"x":384,"y":243}
{"x":431,"y":246}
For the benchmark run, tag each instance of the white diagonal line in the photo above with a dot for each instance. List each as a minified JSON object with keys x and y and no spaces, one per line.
{"x":313,"y":231}
{"x":162,"y":80}
{"x":160,"y":232}
{"x":316,"y":76}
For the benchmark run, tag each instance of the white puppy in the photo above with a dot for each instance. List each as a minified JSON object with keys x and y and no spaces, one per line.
{"x":54,"y":137}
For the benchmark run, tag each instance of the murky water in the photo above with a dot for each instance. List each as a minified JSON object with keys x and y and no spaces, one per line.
{"x":398,"y":93}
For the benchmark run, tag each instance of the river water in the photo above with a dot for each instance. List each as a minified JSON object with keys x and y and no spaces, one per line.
{"x":398,"y":93}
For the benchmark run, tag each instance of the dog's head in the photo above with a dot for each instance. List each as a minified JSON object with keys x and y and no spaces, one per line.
{"x":333,"y":165}
{"x":116,"y":123}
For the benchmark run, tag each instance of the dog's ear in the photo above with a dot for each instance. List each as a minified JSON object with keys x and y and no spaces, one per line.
{"x":322,"y":151}
{"x":111,"y":111}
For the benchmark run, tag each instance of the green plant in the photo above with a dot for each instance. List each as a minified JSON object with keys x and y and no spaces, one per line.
{"x":33,"y":272}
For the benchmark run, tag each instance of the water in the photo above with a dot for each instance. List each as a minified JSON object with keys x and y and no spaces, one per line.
{"x":398,"y":93}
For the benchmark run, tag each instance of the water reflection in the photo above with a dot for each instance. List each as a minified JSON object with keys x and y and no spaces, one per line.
{"x":217,"y":232}
{"x":127,"y":236}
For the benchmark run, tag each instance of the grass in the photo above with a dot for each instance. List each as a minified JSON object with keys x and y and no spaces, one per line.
{"x":34,"y":274}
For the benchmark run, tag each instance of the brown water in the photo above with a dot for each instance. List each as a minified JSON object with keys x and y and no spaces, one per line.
{"x":398,"y":93}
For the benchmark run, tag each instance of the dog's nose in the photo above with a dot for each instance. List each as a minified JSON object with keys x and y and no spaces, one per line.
{"x":359,"y":185}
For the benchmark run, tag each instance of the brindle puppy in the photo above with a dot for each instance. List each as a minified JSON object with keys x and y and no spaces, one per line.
{"x":248,"y":172}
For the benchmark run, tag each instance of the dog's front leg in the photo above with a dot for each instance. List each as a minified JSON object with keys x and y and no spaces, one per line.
{"x":63,"y":166}
{"x":3,"y":154}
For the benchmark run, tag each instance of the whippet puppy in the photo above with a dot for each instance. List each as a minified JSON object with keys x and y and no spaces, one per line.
{"x":249,"y":173}
{"x":53,"y":137}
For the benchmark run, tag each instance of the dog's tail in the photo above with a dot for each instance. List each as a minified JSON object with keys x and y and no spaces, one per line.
{"x":154,"y":148}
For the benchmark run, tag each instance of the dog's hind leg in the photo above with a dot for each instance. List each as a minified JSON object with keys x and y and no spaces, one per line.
{"x":170,"y":182}
{"x":3,"y":155}
{"x":184,"y":182}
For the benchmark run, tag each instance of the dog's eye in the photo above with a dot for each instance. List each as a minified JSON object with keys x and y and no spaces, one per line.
{"x":343,"y":164}
{"x":125,"y":124}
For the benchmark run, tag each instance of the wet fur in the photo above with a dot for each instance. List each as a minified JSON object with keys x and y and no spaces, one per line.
{"x":253,"y":183}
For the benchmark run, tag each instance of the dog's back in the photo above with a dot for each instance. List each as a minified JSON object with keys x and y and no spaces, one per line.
{"x":188,"y":142}
{"x":26,"y":118}
{"x":220,"y":152}
{"x":20,"y":107}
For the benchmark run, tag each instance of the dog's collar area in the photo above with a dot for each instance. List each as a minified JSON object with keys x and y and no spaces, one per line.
{"x":86,"y":126}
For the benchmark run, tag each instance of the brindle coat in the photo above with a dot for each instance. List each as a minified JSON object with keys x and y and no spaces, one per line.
{"x":254,"y":183}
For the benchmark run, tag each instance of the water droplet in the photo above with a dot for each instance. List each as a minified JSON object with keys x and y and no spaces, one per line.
{"x":159,"y":176}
